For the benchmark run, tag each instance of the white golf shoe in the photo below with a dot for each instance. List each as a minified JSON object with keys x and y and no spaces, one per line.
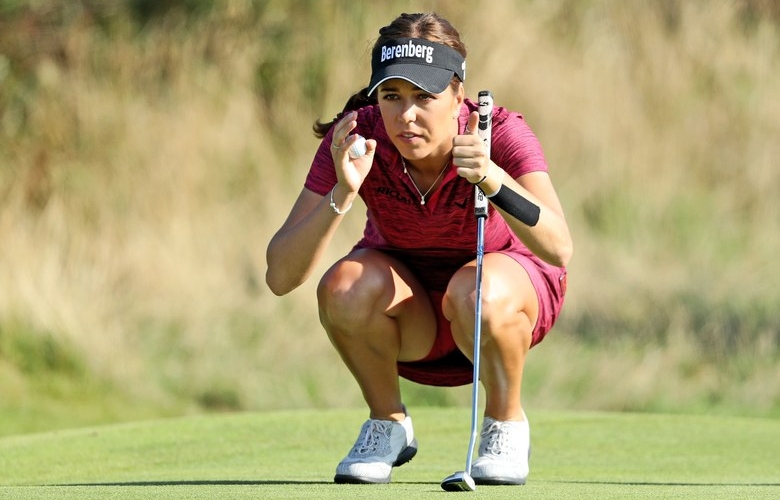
{"x":504,"y":452}
{"x":381,"y":445}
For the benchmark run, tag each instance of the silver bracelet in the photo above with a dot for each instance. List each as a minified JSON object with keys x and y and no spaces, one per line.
{"x":334,"y":207}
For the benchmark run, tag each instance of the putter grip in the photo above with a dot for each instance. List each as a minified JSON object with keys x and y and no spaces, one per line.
{"x":485,"y":101}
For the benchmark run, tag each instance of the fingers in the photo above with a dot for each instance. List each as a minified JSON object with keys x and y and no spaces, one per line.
{"x":470,"y":144}
{"x":468,"y":151}
{"x":341,"y":130}
{"x":370,"y":146}
{"x":471,"y":135}
{"x":473,"y":124}
{"x":351,"y":170}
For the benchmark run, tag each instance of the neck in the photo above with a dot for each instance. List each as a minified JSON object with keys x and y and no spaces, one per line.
{"x":424,"y":182}
{"x":427,"y":168}
{"x":430,"y":165}
{"x":425,"y":179}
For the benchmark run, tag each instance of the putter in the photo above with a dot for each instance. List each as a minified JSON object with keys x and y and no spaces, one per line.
{"x":462,"y":480}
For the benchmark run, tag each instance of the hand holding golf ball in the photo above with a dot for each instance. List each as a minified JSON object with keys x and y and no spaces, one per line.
{"x":358,"y":148}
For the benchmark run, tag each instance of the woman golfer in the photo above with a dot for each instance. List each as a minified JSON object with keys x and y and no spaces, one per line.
{"x":402,"y":302}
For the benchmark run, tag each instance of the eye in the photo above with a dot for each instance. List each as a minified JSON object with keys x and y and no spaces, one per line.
{"x":389,"y":96}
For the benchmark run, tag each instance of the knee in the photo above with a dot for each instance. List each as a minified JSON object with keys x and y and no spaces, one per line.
{"x":348,"y":292}
{"x":460,"y":297}
{"x":500,"y":302}
{"x":460,"y":300}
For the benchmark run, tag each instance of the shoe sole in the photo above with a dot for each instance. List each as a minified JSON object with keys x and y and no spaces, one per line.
{"x":405,"y":456}
{"x":501,"y":480}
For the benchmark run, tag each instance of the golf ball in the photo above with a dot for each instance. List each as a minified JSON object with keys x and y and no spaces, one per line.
{"x":358,"y":149}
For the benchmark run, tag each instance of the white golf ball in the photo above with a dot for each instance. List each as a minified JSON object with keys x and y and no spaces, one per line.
{"x":358,"y":149}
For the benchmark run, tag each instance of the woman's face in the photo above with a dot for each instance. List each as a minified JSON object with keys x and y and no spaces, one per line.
{"x":420,"y":124}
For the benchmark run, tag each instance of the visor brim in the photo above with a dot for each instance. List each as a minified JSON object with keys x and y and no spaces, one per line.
{"x":430,"y":79}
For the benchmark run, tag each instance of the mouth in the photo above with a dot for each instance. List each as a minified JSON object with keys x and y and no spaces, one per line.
{"x":408,"y":137}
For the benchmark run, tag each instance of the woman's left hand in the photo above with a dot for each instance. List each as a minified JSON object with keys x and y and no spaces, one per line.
{"x":469,"y":153}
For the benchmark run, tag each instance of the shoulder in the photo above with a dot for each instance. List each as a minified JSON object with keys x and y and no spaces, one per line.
{"x":515,"y":146}
{"x":369,"y":117}
{"x":506,"y":120}
{"x":503,"y":118}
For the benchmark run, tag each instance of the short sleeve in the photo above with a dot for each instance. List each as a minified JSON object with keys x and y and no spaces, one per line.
{"x":515,"y":147}
{"x":322,"y":175}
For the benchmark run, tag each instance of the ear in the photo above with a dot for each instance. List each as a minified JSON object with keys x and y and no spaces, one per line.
{"x":460,"y":96}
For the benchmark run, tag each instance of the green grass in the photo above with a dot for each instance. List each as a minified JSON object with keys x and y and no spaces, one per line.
{"x":292,"y":454}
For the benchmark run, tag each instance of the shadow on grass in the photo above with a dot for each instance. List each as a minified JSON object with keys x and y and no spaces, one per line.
{"x":217,"y":482}
{"x":272,"y":482}
{"x":663,"y":483}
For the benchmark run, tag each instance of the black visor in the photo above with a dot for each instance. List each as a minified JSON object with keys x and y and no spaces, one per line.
{"x":427,"y":65}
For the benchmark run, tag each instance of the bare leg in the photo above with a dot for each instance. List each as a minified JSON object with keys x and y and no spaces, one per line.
{"x":376,"y":314}
{"x":509,"y":313}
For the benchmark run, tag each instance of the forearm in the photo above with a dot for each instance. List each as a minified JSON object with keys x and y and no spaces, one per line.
{"x":292,"y":256}
{"x":549,"y":239}
{"x":295,"y":250}
{"x":536,"y":219}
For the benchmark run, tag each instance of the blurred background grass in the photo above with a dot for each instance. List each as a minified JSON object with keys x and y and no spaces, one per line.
{"x":148,"y":151}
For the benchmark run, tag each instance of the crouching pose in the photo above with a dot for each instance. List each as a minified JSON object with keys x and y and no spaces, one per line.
{"x":402,"y":302}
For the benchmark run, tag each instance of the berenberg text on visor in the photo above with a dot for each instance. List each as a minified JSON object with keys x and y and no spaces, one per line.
{"x":409,"y":49}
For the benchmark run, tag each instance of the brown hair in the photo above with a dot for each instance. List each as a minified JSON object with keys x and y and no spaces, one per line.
{"x":429,"y":26}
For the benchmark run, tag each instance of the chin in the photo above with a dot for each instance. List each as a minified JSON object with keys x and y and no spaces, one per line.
{"x":412,"y":152}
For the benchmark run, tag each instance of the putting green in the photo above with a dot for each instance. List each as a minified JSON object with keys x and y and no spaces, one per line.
{"x":293,"y":455}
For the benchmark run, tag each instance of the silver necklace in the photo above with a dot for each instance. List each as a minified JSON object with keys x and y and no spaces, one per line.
{"x":423,"y":195}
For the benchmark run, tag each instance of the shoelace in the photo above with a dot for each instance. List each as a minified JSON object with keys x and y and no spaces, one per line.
{"x":498,"y":440}
{"x":374,"y":439}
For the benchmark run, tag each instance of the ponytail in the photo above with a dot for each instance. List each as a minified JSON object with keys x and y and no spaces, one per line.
{"x":357,"y":101}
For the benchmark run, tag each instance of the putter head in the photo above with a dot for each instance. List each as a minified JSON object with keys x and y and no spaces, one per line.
{"x":460,"y":481}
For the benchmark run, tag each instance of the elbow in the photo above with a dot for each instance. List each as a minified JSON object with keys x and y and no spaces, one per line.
{"x":564,"y":257}
{"x":275,"y":288}
{"x":277,"y":284}
{"x":276,"y":278}
{"x":564,"y":254}
{"x":563,"y":249}
{"x":560,"y":255}
{"x":281,"y":282}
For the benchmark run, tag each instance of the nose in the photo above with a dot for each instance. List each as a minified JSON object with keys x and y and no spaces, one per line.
{"x":408,"y":112}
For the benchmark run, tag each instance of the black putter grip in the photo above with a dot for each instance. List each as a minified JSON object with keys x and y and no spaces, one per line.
{"x":485,"y":130}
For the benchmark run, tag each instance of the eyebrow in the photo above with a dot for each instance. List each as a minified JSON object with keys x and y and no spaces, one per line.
{"x":394,"y":88}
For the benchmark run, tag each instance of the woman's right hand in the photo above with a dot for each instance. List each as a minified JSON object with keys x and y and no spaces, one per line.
{"x":350,"y":172}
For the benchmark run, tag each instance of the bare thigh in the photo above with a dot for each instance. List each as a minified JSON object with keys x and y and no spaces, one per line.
{"x":369,"y":289}
{"x":509,"y":299}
